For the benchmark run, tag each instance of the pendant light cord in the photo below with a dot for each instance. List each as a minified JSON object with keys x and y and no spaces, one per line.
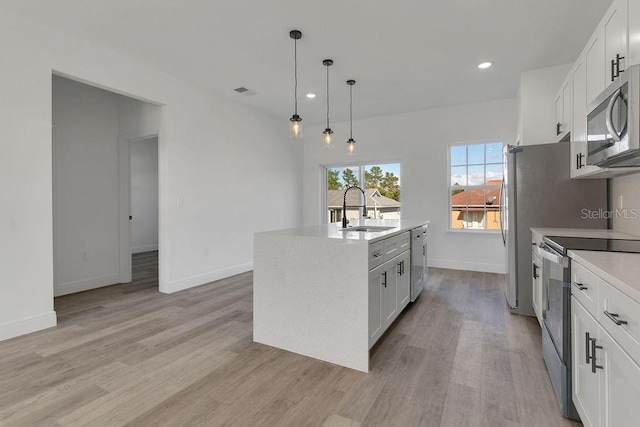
{"x":327,"y":97}
{"x":295,"y":74}
{"x":351,"y":111}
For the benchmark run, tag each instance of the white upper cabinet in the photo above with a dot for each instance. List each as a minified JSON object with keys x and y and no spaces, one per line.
{"x":563,"y":109}
{"x":595,"y":66}
{"x":603,"y":60}
{"x":615,"y":29}
{"x":579,"y":90}
{"x":633,"y":40}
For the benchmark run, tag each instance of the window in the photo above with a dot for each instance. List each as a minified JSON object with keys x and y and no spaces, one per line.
{"x":475,"y":178}
{"x":381,"y":185}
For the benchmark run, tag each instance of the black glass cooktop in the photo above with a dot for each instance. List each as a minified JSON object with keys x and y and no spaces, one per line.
{"x":563,"y":244}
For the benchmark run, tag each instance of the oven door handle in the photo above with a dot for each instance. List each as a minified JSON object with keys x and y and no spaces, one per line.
{"x":544,"y":251}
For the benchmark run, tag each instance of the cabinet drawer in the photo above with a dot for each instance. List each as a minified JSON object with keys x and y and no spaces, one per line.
{"x":393,"y":245}
{"x":585,"y":286}
{"x":613,"y":302}
{"x":376,"y":254}
{"x":405,"y":242}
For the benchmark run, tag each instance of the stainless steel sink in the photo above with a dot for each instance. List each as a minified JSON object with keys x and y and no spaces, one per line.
{"x":368,"y":228}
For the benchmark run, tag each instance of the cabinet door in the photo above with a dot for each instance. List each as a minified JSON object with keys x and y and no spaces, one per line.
{"x":389,"y":293}
{"x":536,"y":273}
{"x":621,"y":389}
{"x":566,"y":106}
{"x":579,"y":118}
{"x":615,"y":44}
{"x":586,"y":384}
{"x":578,"y":160}
{"x":595,"y":66}
{"x":403,"y":282}
{"x":375,"y":305}
{"x":559,"y":111}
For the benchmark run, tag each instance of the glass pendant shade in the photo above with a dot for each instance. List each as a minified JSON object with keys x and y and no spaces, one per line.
{"x":295,"y":127}
{"x":328,"y":138}
{"x":351,"y":147}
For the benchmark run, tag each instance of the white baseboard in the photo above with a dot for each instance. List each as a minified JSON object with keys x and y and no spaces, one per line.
{"x":201,"y":279}
{"x":84,"y":285}
{"x":27,"y":325}
{"x":147,"y":248}
{"x":468,"y":266}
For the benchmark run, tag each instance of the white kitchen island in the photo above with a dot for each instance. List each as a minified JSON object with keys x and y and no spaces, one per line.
{"x":319,"y":291}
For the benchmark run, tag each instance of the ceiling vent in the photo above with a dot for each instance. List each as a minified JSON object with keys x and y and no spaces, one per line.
{"x":244,"y":91}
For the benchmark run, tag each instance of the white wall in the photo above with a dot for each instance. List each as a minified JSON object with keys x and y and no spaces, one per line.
{"x":86,"y":186}
{"x":536,"y":100}
{"x":629,"y":188}
{"x":223,"y":159}
{"x":420,"y":141}
{"x":144,"y":194}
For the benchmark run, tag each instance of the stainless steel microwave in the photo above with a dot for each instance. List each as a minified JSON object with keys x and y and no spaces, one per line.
{"x":613,"y":123}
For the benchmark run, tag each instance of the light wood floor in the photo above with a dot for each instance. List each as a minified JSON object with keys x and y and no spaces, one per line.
{"x":128,"y":355}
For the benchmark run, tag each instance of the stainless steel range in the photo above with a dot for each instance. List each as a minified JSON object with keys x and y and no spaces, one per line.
{"x":556,"y":334}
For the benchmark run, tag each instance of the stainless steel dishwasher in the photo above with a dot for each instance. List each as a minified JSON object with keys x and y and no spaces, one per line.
{"x":418,"y":260}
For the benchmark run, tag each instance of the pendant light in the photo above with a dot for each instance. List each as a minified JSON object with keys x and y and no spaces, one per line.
{"x":351,"y":143}
{"x":295,"y":120}
{"x":328,"y":133}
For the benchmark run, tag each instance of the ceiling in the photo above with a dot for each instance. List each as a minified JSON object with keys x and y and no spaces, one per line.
{"x":405,"y":55}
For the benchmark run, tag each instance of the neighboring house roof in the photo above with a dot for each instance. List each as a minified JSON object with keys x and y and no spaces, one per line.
{"x":373,"y":197}
{"x":478,"y":199}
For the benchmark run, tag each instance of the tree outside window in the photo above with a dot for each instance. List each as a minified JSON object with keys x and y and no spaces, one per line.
{"x":382,"y":188}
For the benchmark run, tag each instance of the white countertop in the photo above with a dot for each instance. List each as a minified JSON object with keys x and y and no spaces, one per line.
{"x":583,"y":232}
{"x":621,"y":270}
{"x":333,"y":231}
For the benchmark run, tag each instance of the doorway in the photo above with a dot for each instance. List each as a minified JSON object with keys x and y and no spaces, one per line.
{"x":92,"y":131}
{"x":143,"y":190}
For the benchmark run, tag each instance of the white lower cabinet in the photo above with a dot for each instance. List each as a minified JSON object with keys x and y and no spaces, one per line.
{"x":389,"y":294}
{"x":389,"y":289}
{"x":606,"y":380}
{"x":375,"y":305}
{"x":621,"y":385}
{"x":536,"y":279}
{"x":403,"y":283}
{"x":586,"y":384}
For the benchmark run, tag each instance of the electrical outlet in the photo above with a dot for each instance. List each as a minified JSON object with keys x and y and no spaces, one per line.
{"x":179,"y":201}
{"x":206,"y":252}
{"x":85,"y":256}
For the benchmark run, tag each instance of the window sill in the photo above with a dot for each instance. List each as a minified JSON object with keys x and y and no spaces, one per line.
{"x":472,"y":231}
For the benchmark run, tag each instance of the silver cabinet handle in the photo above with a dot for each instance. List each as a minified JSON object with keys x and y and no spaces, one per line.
{"x":614,"y":318}
{"x":580,"y":286}
{"x":594,"y":366}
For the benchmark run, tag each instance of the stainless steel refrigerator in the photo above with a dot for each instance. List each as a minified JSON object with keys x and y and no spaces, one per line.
{"x":537,"y":191}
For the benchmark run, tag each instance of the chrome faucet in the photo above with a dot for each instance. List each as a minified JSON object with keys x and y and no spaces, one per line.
{"x":344,"y":205}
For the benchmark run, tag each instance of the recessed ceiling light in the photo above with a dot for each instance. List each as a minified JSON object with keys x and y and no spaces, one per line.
{"x":485,"y":65}
{"x":311,"y":95}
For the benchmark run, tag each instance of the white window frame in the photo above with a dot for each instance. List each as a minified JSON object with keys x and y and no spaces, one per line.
{"x":473,"y":187}
{"x":324,"y":169}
